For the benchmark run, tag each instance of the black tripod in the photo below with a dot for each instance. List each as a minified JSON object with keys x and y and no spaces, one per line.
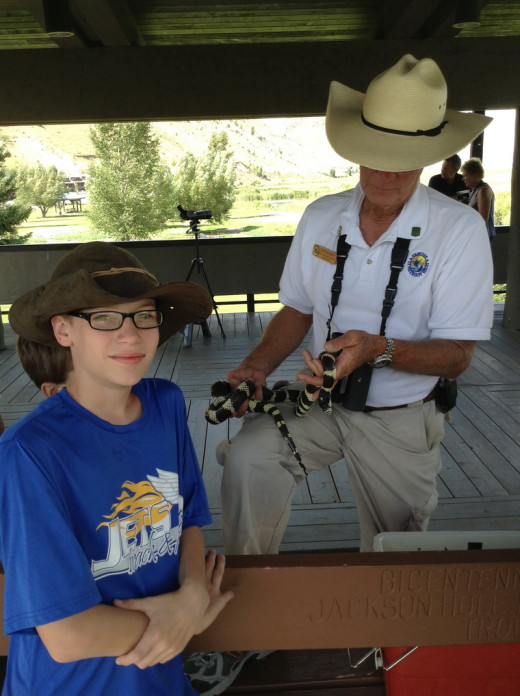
{"x":198,"y":263}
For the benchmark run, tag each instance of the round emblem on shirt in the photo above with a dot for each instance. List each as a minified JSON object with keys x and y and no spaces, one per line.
{"x":418,"y":264}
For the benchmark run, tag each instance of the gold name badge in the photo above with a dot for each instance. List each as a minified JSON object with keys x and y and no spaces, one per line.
{"x":324,"y":254}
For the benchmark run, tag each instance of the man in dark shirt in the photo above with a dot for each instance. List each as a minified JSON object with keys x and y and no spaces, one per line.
{"x":449,"y":181}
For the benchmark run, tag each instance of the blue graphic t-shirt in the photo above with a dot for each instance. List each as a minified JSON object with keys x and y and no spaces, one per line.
{"x":91,"y":512}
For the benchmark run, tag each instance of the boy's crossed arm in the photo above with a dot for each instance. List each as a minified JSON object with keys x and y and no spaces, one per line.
{"x":150,"y":630}
{"x":196,"y":605}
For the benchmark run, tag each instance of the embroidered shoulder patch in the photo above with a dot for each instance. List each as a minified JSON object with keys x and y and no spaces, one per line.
{"x":418,"y":264}
{"x":324,"y":254}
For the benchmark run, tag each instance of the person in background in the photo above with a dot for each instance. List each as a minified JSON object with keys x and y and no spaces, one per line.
{"x":449,"y":181}
{"x":49,"y":367}
{"x":481,"y":197}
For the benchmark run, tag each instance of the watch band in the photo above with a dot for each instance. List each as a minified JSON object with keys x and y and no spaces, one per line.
{"x":385,"y":359}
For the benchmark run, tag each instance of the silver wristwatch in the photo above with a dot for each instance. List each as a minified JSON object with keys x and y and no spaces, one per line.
{"x":385,"y":358}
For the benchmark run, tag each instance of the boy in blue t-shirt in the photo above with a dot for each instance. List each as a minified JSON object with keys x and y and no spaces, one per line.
{"x":101,"y":496}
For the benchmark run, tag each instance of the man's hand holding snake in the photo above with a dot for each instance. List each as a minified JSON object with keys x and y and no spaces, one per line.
{"x":245,"y":388}
{"x":357,"y":347}
{"x":241,"y":374}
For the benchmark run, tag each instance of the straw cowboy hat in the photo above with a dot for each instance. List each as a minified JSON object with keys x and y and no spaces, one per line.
{"x":402,"y":122}
{"x":100,"y":274}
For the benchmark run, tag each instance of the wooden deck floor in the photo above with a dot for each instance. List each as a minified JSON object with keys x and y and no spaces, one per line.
{"x":479,"y":485}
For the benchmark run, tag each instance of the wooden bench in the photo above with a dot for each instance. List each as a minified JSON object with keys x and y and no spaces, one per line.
{"x":329,"y":602}
{"x":339,"y":600}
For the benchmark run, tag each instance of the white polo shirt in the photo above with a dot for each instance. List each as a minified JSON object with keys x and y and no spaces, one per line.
{"x":444,"y":289}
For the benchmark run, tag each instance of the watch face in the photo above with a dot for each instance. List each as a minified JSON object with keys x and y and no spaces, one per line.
{"x":383,"y":361}
{"x":386,"y":358}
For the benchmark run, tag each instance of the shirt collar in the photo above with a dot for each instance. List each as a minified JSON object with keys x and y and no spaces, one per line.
{"x":412,"y":222}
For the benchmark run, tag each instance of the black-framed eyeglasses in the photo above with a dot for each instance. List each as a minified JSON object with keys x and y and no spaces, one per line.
{"x":111,"y":321}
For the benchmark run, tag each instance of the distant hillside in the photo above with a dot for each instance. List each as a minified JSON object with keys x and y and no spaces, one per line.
{"x":284,"y":149}
{"x":281,"y":149}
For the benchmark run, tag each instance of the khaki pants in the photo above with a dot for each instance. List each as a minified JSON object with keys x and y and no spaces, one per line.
{"x":392,"y":459}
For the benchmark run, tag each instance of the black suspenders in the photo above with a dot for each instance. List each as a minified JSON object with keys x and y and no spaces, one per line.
{"x":352,"y":391}
{"x":397,"y":261}
{"x":342,"y":251}
{"x":399,"y":256}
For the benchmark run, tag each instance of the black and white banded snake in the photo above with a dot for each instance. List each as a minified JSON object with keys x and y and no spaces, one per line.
{"x":225,"y":401}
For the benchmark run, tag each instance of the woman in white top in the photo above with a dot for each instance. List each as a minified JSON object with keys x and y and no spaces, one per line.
{"x":481,"y":198}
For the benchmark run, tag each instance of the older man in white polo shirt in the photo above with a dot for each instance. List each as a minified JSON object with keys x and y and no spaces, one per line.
{"x":440,"y":306}
{"x":395,"y":277}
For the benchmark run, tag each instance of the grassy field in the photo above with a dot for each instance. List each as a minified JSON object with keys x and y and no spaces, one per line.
{"x":261,"y":209}
{"x":75,"y":227}
{"x":258,"y":211}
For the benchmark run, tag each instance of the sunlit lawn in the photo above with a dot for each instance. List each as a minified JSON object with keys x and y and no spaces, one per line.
{"x":239,"y":303}
{"x":55,"y":228}
{"x":259,"y":218}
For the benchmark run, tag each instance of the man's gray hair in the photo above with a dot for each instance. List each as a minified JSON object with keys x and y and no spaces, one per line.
{"x":455,"y":160}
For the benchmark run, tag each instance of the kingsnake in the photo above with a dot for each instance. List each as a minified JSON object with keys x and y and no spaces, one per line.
{"x":225,"y":402}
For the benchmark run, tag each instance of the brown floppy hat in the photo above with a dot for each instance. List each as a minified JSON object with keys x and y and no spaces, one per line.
{"x":100,"y":274}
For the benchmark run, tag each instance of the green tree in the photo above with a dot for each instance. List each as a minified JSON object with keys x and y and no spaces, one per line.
{"x":40,"y":186}
{"x":209,"y":181}
{"x":130,"y":190}
{"x":503,"y":208}
{"x":12,"y":212}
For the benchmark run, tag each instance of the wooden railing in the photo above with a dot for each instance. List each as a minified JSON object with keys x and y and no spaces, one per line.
{"x":240,"y":266}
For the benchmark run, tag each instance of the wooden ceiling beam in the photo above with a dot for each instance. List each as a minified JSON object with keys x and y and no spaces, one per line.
{"x":245,"y":81}
{"x":404,"y":18}
{"x":107,"y":23}
{"x":36,"y":9}
{"x":439,"y":24}
{"x":111,"y":21}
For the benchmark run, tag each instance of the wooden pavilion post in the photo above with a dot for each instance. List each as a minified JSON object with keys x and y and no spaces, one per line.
{"x":477,"y":146}
{"x":512,"y":304}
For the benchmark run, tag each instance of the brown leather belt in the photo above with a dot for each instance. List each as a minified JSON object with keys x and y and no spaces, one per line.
{"x":369,"y":409}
